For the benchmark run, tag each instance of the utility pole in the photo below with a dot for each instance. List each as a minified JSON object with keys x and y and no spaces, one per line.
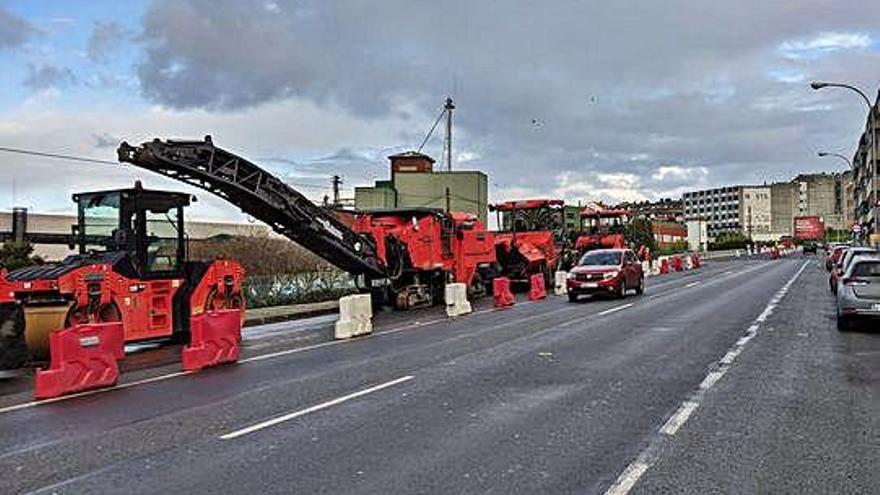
{"x":337,"y":181}
{"x":448,"y":201}
{"x":449,"y":107}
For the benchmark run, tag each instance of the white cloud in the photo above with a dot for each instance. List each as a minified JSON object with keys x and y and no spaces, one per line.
{"x":666,"y":172}
{"x":824,"y":44}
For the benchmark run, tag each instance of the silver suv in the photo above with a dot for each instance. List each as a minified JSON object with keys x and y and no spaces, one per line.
{"x":858,"y":292}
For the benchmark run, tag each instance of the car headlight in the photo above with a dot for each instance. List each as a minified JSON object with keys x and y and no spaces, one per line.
{"x":610,"y":275}
{"x":570,"y":276}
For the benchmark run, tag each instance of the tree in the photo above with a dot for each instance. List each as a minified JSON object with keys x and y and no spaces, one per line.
{"x":15,"y":255}
{"x":640,"y":232}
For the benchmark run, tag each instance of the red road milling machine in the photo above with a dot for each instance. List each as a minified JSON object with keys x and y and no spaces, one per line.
{"x":532,"y":238}
{"x":602,"y":228}
{"x":404,"y":257}
{"x":132,"y":268}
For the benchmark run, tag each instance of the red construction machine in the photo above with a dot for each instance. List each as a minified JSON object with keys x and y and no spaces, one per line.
{"x":404,"y":256}
{"x":601,"y":228}
{"x":132,"y":267}
{"x":532,"y":237}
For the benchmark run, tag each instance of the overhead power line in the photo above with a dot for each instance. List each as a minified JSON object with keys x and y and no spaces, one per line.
{"x":56,"y":155}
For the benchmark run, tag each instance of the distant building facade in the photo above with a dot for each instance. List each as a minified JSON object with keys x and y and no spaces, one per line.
{"x":866,"y":187}
{"x":415,"y":183}
{"x":755,"y":212}
{"x":718,"y":207}
{"x":768,"y":212}
{"x":60,"y":224}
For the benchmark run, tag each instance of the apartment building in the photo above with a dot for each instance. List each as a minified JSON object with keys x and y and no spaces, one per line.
{"x":719,"y":208}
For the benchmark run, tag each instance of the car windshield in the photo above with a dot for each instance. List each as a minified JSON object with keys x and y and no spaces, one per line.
{"x":606,"y":258}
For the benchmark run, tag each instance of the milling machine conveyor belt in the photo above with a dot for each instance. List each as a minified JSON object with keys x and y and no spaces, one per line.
{"x":259,"y":194}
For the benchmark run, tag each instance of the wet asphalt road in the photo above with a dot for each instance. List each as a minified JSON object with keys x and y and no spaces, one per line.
{"x":549,"y":397}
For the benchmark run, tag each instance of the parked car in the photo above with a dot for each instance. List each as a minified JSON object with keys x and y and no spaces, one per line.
{"x":811,"y":247}
{"x":834,"y":256}
{"x":843,"y":263}
{"x":606,"y":271}
{"x":859,"y":293}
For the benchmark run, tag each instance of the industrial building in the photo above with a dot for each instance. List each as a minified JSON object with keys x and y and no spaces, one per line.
{"x":414,"y":182}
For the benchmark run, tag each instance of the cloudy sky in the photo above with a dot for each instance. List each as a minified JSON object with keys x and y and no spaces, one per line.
{"x":585,"y":100}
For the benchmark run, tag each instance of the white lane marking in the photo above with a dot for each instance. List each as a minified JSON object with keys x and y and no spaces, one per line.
{"x":295,"y":350}
{"x":711,"y":379}
{"x":698,"y":282}
{"x":636,"y":469}
{"x":614,"y":309}
{"x":681,"y":415}
{"x":317,"y":407}
{"x":628,"y":478}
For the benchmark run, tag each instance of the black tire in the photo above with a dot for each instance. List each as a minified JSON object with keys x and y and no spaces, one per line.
{"x":640,"y":289}
{"x":622,"y":292}
{"x":13,"y":348}
{"x":843,"y":323}
{"x":572,"y":297}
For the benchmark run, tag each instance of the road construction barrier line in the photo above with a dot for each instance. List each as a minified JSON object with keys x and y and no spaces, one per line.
{"x":83,"y":357}
{"x":501,"y":293}
{"x":355,"y":316}
{"x":457,"y":303}
{"x":315,"y":408}
{"x":215,"y":340}
{"x":560,"y":285}
{"x":537,"y":290}
{"x":281,"y":353}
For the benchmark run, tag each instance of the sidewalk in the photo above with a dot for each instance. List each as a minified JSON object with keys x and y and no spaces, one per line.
{"x":273,"y":314}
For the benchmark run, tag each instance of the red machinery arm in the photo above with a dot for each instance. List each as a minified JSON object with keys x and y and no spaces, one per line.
{"x":259,"y":194}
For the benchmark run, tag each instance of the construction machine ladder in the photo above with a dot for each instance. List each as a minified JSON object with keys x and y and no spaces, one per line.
{"x":260,"y":195}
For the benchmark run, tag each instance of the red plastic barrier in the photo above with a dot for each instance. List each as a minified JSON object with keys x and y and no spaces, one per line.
{"x":215,"y":338}
{"x":537,"y":289}
{"x":676,"y":264}
{"x":695,"y":259}
{"x":501,"y":291}
{"x":664,"y":266}
{"x":774,"y":254}
{"x":83,"y":357}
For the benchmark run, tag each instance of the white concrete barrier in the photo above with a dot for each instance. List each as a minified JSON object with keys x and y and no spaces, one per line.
{"x":457,"y":303}
{"x":646,"y":268}
{"x":688,"y":262}
{"x":355,"y":316}
{"x":560,"y":288}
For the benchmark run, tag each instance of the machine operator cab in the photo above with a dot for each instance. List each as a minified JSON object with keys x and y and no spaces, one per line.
{"x":145,"y":224}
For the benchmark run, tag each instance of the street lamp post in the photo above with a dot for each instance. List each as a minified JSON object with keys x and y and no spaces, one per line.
{"x":871,"y":114}
{"x":824,"y":154}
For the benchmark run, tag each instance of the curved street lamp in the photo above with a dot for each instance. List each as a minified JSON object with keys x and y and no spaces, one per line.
{"x":817,"y":85}
{"x":823,"y":154}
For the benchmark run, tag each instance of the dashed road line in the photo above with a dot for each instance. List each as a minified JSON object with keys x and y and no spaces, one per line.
{"x":681,"y":415}
{"x":295,"y":350}
{"x":637,"y":468}
{"x":614,"y":309}
{"x":302,"y":412}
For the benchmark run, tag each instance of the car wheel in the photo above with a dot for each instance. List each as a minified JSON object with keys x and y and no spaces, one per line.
{"x":572,"y":297}
{"x":641,"y":287}
{"x":843,"y":323}
{"x":622,"y":292}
